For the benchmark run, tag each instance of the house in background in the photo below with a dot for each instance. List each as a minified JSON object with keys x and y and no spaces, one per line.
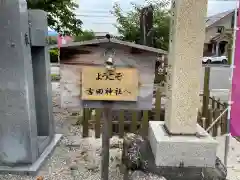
{"x":102,"y":35}
{"x":219,"y":30}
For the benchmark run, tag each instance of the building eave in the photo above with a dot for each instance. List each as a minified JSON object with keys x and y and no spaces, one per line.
{"x":116,"y":41}
{"x":212,"y":24}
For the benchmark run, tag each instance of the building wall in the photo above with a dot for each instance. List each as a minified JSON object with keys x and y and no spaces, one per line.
{"x":212,"y":31}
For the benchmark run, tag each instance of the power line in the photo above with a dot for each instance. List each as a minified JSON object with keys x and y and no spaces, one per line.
{"x":98,"y":11}
{"x":86,"y":15}
{"x":102,"y":23}
{"x":96,"y":22}
{"x":95,"y":11}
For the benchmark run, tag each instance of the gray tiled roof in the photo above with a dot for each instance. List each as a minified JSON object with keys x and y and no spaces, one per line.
{"x":112,"y":40}
{"x":212,"y":19}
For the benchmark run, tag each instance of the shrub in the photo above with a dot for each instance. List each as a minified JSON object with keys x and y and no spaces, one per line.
{"x":55,"y":77}
{"x":54,"y":55}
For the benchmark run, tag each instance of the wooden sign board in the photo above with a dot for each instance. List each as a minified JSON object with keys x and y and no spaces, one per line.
{"x":100,"y":85}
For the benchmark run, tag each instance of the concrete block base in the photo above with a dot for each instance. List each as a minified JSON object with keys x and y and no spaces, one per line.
{"x":33,"y":169}
{"x":184,"y":151}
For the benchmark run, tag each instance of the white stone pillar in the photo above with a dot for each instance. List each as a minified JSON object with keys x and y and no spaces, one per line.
{"x":170,"y":144}
{"x":185,"y":51}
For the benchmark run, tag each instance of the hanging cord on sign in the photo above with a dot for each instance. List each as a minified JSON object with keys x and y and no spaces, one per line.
{"x":109,"y":53}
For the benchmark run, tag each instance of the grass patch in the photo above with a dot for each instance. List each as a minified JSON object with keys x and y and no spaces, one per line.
{"x":55,"y":77}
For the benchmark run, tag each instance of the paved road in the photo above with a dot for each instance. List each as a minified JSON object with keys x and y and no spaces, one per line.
{"x":219,"y":82}
{"x":219,"y":78}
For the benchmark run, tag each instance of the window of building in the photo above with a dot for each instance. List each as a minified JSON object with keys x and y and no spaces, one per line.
{"x":220,"y":29}
{"x":233,"y":21}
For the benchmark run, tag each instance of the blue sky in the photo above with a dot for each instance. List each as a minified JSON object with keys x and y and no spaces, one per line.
{"x":96,"y":15}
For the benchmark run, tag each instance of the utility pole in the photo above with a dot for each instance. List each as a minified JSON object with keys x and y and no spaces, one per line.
{"x":146,"y":25}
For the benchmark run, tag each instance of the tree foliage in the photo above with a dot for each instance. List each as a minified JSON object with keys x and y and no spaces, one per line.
{"x":61,"y":16}
{"x":84,"y":36}
{"x":128,"y":24}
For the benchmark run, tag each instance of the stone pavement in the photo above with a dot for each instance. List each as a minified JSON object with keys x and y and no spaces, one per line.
{"x":233,"y":164}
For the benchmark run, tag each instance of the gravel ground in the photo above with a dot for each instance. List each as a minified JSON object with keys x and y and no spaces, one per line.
{"x":233,"y":162}
{"x":74,"y":158}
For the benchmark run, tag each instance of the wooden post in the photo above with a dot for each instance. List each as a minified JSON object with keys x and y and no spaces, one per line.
{"x":121,"y":123}
{"x":158,"y":105}
{"x":107,"y":117}
{"x":213,"y":103}
{"x":217,"y":114}
{"x":86,"y":116}
{"x":206,"y":92}
{"x":215,"y":127}
{"x":134,"y":122}
{"x":225,"y":120}
{"x":107,"y":89}
{"x":209,"y":119}
{"x":144,"y":126}
{"x":98,"y":116}
{"x":199,"y":119}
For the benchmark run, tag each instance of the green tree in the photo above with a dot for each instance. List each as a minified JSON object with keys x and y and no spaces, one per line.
{"x":61,"y":16}
{"x":84,"y":36}
{"x":128,"y":24}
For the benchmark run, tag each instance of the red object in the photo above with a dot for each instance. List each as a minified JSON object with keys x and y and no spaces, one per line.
{"x":63,"y":40}
{"x":235,"y":94}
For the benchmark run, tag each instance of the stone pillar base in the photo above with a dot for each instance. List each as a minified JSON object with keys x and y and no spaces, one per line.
{"x":32,"y":169}
{"x":181,"y":151}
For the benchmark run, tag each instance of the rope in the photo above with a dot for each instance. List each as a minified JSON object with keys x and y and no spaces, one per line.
{"x":214,"y":122}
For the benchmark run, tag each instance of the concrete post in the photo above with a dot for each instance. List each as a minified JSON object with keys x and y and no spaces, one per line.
{"x":176,"y":141}
{"x":41,"y":72}
{"x":185,"y":52}
{"x":26,"y":125}
{"x":18,"y":140}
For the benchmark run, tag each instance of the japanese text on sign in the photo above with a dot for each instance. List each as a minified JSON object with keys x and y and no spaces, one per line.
{"x":110,"y":76}
{"x":118,"y":85}
{"x":107,"y":91}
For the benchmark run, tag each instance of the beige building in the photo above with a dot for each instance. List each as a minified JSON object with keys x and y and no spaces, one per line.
{"x":218,"y":35}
